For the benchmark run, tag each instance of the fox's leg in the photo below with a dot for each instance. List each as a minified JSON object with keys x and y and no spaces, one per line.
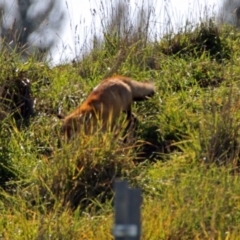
{"x":129,"y":117}
{"x":131,"y":126}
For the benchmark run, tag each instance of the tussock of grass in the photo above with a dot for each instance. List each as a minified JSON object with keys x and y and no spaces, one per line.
{"x":88,"y":173}
{"x":194,"y":42}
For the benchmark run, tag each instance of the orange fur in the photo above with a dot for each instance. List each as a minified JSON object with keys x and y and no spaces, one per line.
{"x":105,"y":103}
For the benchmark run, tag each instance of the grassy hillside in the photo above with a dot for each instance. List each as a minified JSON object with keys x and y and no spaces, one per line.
{"x":184,"y":155}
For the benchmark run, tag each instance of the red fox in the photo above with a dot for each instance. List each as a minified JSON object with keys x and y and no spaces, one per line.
{"x":105,"y":103}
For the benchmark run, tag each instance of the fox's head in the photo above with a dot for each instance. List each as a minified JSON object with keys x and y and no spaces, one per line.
{"x":68,"y":126}
{"x":72,"y":125}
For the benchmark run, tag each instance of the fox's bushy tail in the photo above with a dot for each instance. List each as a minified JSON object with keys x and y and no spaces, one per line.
{"x":141,"y":90}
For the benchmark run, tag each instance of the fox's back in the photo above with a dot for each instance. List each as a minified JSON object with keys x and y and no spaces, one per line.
{"x":112,"y":94}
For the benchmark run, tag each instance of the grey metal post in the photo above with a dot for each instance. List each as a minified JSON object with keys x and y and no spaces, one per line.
{"x":127,"y":212}
{"x":134,"y":211}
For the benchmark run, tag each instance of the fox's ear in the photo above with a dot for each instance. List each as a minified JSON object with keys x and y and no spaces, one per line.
{"x":60,"y":116}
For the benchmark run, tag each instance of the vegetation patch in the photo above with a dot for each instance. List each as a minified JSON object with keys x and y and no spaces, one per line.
{"x":183,"y":154}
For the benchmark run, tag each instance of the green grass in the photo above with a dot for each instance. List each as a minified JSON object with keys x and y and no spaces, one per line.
{"x":184,"y":156}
